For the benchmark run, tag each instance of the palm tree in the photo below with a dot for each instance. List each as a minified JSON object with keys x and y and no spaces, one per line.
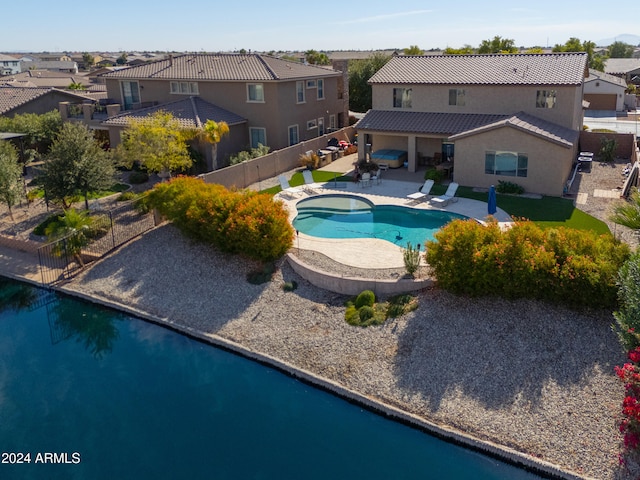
{"x":628,"y":213}
{"x":212,"y":132}
{"x":76,"y":227}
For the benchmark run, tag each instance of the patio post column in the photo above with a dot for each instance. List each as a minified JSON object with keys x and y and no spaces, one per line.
{"x":412,"y":157}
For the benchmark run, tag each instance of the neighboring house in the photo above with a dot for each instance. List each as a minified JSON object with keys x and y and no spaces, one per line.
{"x":625,"y":68}
{"x":46,"y":78}
{"x":497,"y":117}
{"x":17,"y":100}
{"x":604,"y":91}
{"x":54,"y":66}
{"x":9,"y":65}
{"x":282,"y":102}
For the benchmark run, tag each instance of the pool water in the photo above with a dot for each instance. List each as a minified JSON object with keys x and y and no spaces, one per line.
{"x":344,"y":216}
{"x":122,"y":398}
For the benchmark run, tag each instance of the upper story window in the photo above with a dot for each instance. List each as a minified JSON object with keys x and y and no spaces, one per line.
{"x":311,"y":84}
{"x":300,"y":91}
{"x":510,"y":164}
{"x":312,"y":124}
{"x":546,"y":99}
{"x":184,"y":88}
{"x":402,"y":98}
{"x":456,"y":97}
{"x":130,"y":94}
{"x":320,"y":89}
{"x":255,"y":92}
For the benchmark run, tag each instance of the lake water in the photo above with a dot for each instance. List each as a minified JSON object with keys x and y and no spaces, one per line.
{"x":93,"y":394}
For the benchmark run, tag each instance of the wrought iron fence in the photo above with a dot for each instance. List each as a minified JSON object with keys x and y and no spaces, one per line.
{"x":63,"y":258}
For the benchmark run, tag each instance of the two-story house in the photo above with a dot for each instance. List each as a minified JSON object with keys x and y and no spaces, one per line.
{"x":497,"y":117}
{"x":270,"y":101}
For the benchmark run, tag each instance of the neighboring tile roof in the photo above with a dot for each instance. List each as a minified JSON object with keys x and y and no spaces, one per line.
{"x":424,"y":122}
{"x":595,"y":75}
{"x":14,"y":97}
{"x":223,"y":67}
{"x":620,"y":66}
{"x":192,"y":112}
{"x":495,"y":69}
{"x":530,"y":124}
{"x":45,"y":78}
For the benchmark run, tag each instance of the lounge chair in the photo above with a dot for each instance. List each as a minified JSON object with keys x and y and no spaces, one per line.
{"x":309,"y":182}
{"x":287,"y":189}
{"x":423,"y":192}
{"x":365,"y":180}
{"x":449,"y":196}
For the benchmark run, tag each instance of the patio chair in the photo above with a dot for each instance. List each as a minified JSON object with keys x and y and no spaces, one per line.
{"x":377,"y":177}
{"x":308,"y":182}
{"x":287,"y":189}
{"x":423,"y":193}
{"x":449,"y":196}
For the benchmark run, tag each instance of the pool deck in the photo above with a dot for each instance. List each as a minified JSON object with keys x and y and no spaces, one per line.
{"x":369,"y":252}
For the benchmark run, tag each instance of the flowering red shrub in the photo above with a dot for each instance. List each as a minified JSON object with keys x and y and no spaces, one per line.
{"x":629,"y":373}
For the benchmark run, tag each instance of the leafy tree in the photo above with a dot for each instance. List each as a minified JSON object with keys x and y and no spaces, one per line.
{"x":122,"y":59}
{"x":243,"y":156}
{"x":534,"y":50}
{"x":316,"y":58}
{"x":608,"y":148}
{"x":40,"y":130}
{"x":360,"y":71}
{"x":498,"y":45}
{"x":465,"y":50}
{"x":628,"y":213}
{"x":88,"y":59}
{"x":594,"y":60}
{"x":621,"y":50}
{"x":11,"y":188}
{"x":413,"y":50}
{"x":158,"y":142}
{"x":76,"y":164}
{"x":77,"y":226}
{"x":76,"y":86}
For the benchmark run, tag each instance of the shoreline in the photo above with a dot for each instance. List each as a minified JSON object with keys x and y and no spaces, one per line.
{"x":410,"y":365}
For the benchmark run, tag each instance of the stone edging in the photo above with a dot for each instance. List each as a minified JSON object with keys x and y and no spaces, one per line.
{"x":443,"y":432}
{"x":355,"y":285}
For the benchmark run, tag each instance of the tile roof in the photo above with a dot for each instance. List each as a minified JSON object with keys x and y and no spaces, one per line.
{"x":621,"y":66}
{"x":192,"y":112}
{"x":223,"y":67}
{"x":595,"y":75}
{"x":494,"y":69}
{"x":14,"y":97}
{"x":530,"y":124}
{"x":424,"y":122}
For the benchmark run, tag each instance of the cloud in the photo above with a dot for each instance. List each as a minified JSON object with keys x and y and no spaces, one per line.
{"x":378,"y":18}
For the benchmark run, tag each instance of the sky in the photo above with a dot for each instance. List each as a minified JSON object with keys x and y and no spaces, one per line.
{"x":264,"y":26}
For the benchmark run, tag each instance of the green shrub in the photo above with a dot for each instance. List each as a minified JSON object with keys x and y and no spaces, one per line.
{"x":365,"y":313}
{"x":365,"y":298}
{"x":137,"y":177}
{"x":242,"y":222}
{"x":127,"y":196}
{"x":264,"y":275}
{"x":289,"y":286}
{"x":42,"y":227}
{"x":351,"y":315}
{"x":398,"y":305}
{"x":509,"y":187}
{"x":411,"y":257}
{"x":434,"y":174}
{"x":575,"y":267}
{"x":627,"y":318}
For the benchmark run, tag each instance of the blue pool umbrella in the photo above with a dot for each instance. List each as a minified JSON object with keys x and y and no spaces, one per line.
{"x":491,"y":203}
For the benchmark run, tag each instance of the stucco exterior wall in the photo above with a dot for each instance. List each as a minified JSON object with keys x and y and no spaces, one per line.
{"x":600,"y":87}
{"x":549,"y":164}
{"x":489,"y":99}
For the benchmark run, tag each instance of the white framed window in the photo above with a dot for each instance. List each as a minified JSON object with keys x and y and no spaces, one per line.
{"x":311,"y":84}
{"x":546,"y":99}
{"x":184,"y":88}
{"x":258,"y":135}
{"x":311,"y":124}
{"x":332,"y":121}
{"x":294,"y":137}
{"x":456,"y":97}
{"x":402,"y":98}
{"x":255,"y":93}
{"x":509,"y":164}
{"x":320,"y":89}
{"x":321,"y":126}
{"x":300,"y":96}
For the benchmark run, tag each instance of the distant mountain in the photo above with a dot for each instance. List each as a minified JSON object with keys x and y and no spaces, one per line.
{"x":625,"y":37}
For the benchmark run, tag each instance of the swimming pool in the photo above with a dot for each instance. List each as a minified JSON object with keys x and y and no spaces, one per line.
{"x":348,"y":216}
